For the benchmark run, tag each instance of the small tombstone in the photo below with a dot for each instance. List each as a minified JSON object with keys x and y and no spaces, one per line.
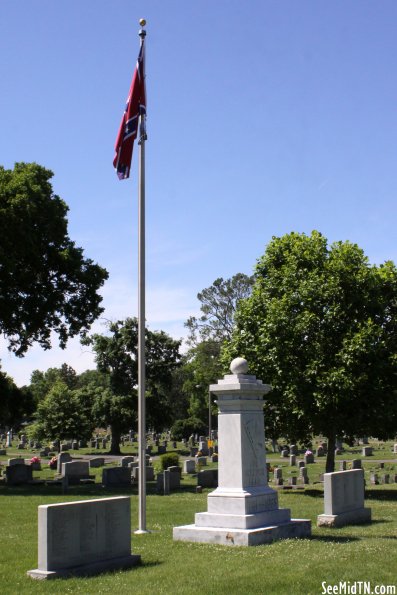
{"x":125,"y":461}
{"x":214,"y":458}
{"x":278,"y":476}
{"x":21,"y":446}
{"x":63,"y":457}
{"x":373,"y":479}
{"x":166,"y":482}
{"x":203,"y":447}
{"x":75,"y":471}
{"x":382,"y":465}
{"x":293,"y":449}
{"x":284,"y":453}
{"x":395,"y":449}
{"x":208,"y":478}
{"x":324,"y":446}
{"x":3,"y":452}
{"x":161,"y":449}
{"x":365,"y":440}
{"x":356,"y":464}
{"x":202,"y":461}
{"x":320,"y":451}
{"x":292,"y":480}
{"x":303,"y":475}
{"x":367,"y":451}
{"x":174,"y":444}
{"x":344,"y":499}
{"x":292,"y":460}
{"x":8,"y":440}
{"x":97,"y":462}
{"x":342,"y":465}
{"x":386,"y":478}
{"x":18,"y":474}
{"x":193,"y":451}
{"x":308,"y":458}
{"x":16,"y":461}
{"x":189,"y":466}
{"x":64,"y":447}
{"x":149,"y":473}
{"x":301,"y":464}
{"x":116,"y":477}
{"x":82,"y":444}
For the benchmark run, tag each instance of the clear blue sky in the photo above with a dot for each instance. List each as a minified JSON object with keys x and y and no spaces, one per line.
{"x":264,"y":117}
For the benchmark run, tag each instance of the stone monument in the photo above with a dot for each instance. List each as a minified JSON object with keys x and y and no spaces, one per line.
{"x":344,"y":499}
{"x":243,"y":510}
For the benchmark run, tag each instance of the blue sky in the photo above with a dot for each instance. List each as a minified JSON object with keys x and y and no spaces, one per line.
{"x":264,"y":117}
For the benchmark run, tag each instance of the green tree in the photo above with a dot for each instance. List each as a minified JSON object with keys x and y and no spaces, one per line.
{"x":116,"y":355}
{"x":46,"y":284}
{"x":42,"y":382}
{"x":65,"y":414}
{"x":206,"y":335}
{"x":218,"y":306}
{"x":321,"y":328}
{"x":202,"y":368}
{"x":15,"y":403}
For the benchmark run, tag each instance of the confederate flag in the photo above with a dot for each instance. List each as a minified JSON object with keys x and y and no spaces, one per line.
{"x":136,"y":106}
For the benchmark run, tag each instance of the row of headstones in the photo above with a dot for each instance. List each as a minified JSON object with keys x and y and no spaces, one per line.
{"x":308,"y":458}
{"x":204,"y":450}
{"x":303,"y":477}
{"x":118,"y":476}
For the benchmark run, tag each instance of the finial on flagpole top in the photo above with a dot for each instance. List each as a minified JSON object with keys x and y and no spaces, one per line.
{"x":142,"y":32}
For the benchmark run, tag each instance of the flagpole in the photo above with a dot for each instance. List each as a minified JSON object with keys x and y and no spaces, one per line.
{"x":141,"y":316}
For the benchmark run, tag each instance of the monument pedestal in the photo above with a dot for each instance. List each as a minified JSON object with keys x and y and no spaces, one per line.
{"x":243,"y":510}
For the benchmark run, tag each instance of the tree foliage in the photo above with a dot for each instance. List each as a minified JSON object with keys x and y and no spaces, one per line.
{"x":218,"y":306}
{"x":42,"y":382}
{"x":116,"y":354}
{"x":321,"y":328}
{"x":202,"y":368}
{"x":65,"y":414}
{"x":15,"y":403}
{"x":46,"y":284}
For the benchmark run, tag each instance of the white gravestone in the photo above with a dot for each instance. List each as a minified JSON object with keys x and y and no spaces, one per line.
{"x":344,"y":499}
{"x":84,"y":537}
{"x":243,"y":510}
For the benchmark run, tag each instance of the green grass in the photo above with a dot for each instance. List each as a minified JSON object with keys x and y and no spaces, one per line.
{"x":354,"y":553}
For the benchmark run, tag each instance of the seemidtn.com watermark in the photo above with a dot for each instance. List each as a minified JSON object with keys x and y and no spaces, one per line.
{"x":357,"y":588}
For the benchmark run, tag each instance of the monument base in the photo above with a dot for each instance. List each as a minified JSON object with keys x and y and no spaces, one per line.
{"x":257,"y":536}
{"x":87,"y":569}
{"x":352,"y":517}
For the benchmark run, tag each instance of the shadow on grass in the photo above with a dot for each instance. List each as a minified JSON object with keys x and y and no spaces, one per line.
{"x":85,"y":490}
{"x":334,"y":538}
{"x":381,"y":494}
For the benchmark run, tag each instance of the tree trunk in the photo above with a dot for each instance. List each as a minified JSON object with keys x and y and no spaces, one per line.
{"x":115,"y":442}
{"x":330,"y":463}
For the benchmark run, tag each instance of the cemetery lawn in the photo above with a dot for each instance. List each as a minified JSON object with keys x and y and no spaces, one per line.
{"x":354,"y":553}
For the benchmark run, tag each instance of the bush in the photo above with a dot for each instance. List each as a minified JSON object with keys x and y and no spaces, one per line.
{"x":170,"y":459}
{"x":183,"y":428}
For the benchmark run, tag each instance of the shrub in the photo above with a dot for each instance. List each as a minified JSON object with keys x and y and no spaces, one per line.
{"x":169,"y":459}
{"x":183,"y":428}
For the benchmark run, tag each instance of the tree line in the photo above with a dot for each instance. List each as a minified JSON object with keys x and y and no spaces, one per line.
{"x":316,"y":321}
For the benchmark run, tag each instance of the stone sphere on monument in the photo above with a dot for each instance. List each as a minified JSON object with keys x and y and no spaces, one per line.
{"x":239,"y":366}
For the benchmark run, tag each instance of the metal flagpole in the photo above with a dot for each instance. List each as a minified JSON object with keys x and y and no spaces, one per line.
{"x":141,"y":315}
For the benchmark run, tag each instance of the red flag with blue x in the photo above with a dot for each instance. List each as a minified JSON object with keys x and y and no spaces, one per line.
{"x":128,"y":131}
